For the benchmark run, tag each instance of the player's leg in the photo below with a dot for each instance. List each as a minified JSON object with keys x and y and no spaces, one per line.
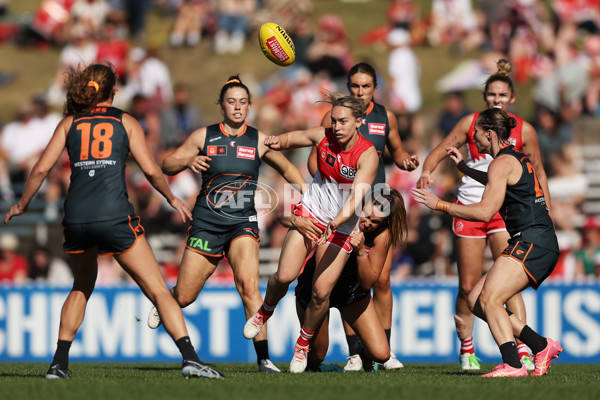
{"x":384,"y":301}
{"x":469,"y":253}
{"x":294,"y":251}
{"x":139,"y":262}
{"x":504,"y":280}
{"x":85,"y":271}
{"x":243,"y":257}
{"x":498,"y":242}
{"x":330,"y":263}
{"x":320,"y":341}
{"x":363,"y":318}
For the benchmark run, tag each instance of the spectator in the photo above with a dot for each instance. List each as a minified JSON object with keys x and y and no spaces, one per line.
{"x":234,"y":25}
{"x":22,"y":142}
{"x":302,"y":35}
{"x":330,"y":51}
{"x":588,"y":256}
{"x":454,"y":22}
{"x":149,"y":76}
{"x":113,"y":48}
{"x":188,"y":23}
{"x":43,"y":266}
{"x":404,"y":71}
{"x":454,"y":108}
{"x":149,"y":119}
{"x":13,"y":265}
{"x":179,"y":119}
{"x":80,"y":51}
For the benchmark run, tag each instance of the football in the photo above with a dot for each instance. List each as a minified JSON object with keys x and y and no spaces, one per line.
{"x":276,"y":44}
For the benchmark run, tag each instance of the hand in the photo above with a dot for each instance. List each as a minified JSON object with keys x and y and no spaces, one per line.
{"x":307,"y":227}
{"x":273,"y":142}
{"x":425,"y":181}
{"x":425,"y":196}
{"x":454,"y":154}
{"x":331,"y":227}
{"x":13,"y":212}
{"x":181,"y":208}
{"x":198,"y":163}
{"x":410,"y":164}
{"x":357,"y":240}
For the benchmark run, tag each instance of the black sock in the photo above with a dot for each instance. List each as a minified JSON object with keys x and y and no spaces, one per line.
{"x":353,"y":344}
{"x":510,"y":355}
{"x":186,"y":349}
{"x":61,"y":357}
{"x":533,"y":340}
{"x":262,"y":350}
{"x":388,"y":335}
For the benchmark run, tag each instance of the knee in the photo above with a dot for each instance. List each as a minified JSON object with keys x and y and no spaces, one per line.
{"x":183,"y":299}
{"x":248,"y":289}
{"x":380,"y":354}
{"x":320,"y":296}
{"x":283,"y":278}
{"x":465,"y":288}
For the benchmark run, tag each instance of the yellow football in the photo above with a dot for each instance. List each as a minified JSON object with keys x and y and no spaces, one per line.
{"x":276,"y":44}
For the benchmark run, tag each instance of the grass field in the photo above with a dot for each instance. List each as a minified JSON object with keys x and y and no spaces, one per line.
{"x":416,"y":381}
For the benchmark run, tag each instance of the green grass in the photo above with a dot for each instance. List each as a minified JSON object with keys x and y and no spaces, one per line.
{"x":416,"y":381}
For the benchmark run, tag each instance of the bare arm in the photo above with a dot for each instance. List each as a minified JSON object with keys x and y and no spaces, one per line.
{"x":456,"y":138}
{"x":188,"y":155}
{"x":531,"y":148}
{"x":371,"y":265}
{"x":456,"y":156}
{"x":42,"y":167}
{"x":402,"y":159}
{"x":296,"y":139}
{"x":500,"y":172}
{"x":282,"y":165}
{"x":141,"y":154}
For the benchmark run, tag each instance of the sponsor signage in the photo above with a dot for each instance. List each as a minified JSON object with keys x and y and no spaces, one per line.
{"x":115,"y":327}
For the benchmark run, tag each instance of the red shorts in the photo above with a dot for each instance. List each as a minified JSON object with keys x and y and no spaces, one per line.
{"x":477,"y":230}
{"x":338,"y":239}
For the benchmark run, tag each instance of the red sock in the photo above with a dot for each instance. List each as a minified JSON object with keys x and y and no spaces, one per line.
{"x":266,"y":310}
{"x":466,"y":346}
{"x":523,"y":350}
{"x":305,"y":337}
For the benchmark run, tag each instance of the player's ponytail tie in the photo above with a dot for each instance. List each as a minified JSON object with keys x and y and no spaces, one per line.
{"x":94,"y":85}
{"x":232,"y":81}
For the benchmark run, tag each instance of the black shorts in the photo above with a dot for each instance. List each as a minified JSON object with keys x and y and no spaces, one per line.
{"x":213,"y":243}
{"x":112,"y":237}
{"x":346,"y":291}
{"x":537,"y":261}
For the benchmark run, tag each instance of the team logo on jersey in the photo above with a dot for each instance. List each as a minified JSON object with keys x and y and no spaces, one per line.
{"x":323,"y":154}
{"x":92,"y":173}
{"x":376,"y":129}
{"x":330,"y":160}
{"x":512,"y":141}
{"x":458,"y":226}
{"x":216,"y":150}
{"x":249,"y":153}
{"x":347,"y":172}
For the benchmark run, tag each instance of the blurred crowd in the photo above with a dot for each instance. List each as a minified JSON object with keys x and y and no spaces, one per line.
{"x":555,"y":45}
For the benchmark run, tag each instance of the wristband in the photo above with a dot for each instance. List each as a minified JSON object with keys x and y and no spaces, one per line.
{"x":443,"y":206}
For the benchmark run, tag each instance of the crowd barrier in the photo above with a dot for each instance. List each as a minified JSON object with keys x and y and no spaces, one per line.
{"x":115,"y":330}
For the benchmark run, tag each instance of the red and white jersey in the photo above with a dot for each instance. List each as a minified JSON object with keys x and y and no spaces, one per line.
{"x":330,"y":189}
{"x":471,"y":191}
